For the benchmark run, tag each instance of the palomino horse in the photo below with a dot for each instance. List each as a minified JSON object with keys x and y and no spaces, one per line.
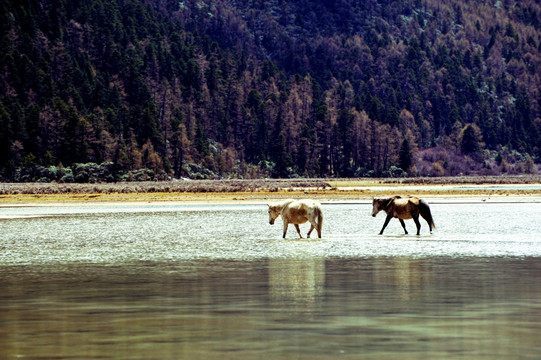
{"x":298,"y":212}
{"x":403,"y":208}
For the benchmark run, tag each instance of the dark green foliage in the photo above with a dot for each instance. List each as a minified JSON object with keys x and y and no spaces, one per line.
{"x":470,"y":140}
{"x":405,"y":156}
{"x":249,"y":88}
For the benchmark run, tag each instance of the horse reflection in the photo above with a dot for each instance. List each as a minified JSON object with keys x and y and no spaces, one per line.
{"x":297,"y":283}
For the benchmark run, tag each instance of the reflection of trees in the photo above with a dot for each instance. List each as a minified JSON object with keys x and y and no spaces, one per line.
{"x":297,"y":282}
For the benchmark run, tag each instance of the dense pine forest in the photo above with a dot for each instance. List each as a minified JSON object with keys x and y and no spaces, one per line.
{"x":116,"y":90}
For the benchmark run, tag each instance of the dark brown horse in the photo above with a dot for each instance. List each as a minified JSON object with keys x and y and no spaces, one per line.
{"x":403,"y":208}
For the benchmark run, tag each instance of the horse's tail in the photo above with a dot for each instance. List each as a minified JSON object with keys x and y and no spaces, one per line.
{"x":424,"y":210}
{"x":319,"y":214}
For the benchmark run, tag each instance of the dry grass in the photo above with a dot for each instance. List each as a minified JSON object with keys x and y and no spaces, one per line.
{"x":188,"y":186}
{"x":448,"y":180}
{"x":257,"y":190}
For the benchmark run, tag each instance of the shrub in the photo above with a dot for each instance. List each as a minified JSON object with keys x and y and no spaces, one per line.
{"x":197,"y":171}
{"x":86,"y":173}
{"x":437,"y":169}
{"x":68,"y":176}
{"x":395,"y":172}
{"x":106,"y":172}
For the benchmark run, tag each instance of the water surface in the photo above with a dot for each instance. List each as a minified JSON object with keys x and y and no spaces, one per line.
{"x":115,"y":234}
{"x":217,"y":281}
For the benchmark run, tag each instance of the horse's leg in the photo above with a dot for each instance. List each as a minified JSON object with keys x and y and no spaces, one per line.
{"x":418,"y":224}
{"x":298,"y":230}
{"x":387,"y":219}
{"x":403,"y":225}
{"x":285,"y":229}
{"x":312,"y":227}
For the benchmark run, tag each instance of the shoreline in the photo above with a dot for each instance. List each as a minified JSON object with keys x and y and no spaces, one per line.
{"x":444,"y":194}
{"x":262,"y":191}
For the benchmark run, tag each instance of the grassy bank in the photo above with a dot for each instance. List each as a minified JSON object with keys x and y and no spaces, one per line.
{"x":181,"y":186}
{"x":446,"y":180}
{"x":262,"y":190}
{"x":184,"y":190}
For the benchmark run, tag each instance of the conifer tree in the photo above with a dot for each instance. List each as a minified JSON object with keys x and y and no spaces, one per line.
{"x":470,"y":142}
{"x":405,"y":157}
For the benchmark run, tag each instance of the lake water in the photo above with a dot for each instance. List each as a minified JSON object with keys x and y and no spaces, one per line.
{"x":218,"y":282}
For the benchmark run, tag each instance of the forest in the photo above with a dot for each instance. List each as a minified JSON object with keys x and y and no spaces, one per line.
{"x":124,"y":90}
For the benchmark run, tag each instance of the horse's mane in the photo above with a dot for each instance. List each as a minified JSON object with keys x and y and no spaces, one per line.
{"x":386,"y":202}
{"x":281,"y":204}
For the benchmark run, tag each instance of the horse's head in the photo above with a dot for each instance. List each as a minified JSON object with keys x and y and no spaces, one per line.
{"x":377,"y":206}
{"x":274,"y":212}
{"x":382,"y":204}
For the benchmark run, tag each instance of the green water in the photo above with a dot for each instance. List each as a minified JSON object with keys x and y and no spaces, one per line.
{"x":483,"y":308}
{"x":218,"y":282}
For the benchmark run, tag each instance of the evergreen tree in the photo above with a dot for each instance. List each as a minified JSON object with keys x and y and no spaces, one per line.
{"x":278,"y":151}
{"x":470,"y":142}
{"x":95,"y":80}
{"x":6,"y":135}
{"x":405,"y":156}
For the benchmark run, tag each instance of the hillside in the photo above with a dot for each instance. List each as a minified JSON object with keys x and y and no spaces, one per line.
{"x":94,"y":90}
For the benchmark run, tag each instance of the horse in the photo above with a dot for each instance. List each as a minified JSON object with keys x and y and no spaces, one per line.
{"x":403,"y":208}
{"x":298,"y":212}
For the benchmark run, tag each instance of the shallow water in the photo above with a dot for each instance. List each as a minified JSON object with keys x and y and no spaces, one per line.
{"x":117,"y":234}
{"x":217,"y":281}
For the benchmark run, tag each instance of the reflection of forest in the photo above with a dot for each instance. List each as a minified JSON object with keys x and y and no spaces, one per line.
{"x":297,"y":282}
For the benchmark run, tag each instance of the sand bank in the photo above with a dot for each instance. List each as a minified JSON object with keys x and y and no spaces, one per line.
{"x":441,"y":193}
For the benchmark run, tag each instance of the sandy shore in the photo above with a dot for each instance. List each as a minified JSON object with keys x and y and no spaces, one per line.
{"x":353,"y":194}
